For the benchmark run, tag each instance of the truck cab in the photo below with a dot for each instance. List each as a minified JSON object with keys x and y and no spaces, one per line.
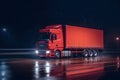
{"x":50,"y":43}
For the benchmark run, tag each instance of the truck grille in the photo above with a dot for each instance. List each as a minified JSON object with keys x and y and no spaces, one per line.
{"x":42,"y":52}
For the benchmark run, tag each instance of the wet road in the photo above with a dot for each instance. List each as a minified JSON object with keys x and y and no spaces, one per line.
{"x":98,"y":68}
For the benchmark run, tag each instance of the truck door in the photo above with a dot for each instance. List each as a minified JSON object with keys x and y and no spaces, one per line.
{"x":54,"y":40}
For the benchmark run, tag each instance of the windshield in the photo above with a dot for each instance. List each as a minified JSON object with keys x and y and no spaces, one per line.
{"x":44,"y":36}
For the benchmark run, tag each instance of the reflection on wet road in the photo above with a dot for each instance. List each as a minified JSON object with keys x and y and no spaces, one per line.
{"x":97,"y":68}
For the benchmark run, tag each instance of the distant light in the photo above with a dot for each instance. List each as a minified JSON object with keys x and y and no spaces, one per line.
{"x":117,"y":38}
{"x":4,"y":29}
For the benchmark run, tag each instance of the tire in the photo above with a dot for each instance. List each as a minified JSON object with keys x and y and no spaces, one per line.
{"x":91,"y":54}
{"x":95,"y":52}
{"x":57,"y":54}
{"x":85,"y":53}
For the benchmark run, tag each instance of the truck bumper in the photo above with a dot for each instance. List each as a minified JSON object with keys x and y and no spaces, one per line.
{"x":45,"y":53}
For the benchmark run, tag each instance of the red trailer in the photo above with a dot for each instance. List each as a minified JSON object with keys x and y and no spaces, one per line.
{"x":63,"y":41}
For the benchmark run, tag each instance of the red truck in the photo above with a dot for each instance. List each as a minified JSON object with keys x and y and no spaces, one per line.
{"x":67,"y":40}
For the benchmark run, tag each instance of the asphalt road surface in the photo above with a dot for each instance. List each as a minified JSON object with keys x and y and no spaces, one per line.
{"x":97,"y":68}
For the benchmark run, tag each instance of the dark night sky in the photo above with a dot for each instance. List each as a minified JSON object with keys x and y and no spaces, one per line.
{"x":23,"y":18}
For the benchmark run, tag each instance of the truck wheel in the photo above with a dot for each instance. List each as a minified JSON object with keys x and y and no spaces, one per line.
{"x":90,"y":53}
{"x":85,"y":53}
{"x":95,"y":53}
{"x":57,"y":54}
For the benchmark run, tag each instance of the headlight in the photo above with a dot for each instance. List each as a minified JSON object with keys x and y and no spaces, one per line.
{"x":47,"y":52}
{"x":36,"y":51}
